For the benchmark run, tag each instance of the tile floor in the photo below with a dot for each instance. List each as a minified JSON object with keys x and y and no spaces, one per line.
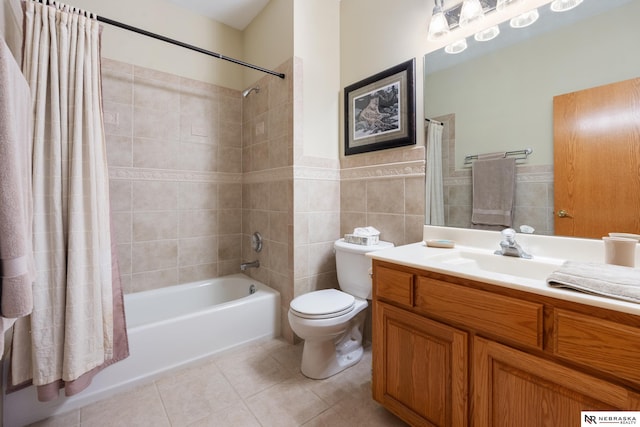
{"x":257,"y":385}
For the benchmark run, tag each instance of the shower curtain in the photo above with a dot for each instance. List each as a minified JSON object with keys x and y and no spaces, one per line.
{"x":434,"y":213}
{"x":77,"y":324}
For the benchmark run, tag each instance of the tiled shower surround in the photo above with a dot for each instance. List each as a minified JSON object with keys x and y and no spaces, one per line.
{"x":174,"y":148}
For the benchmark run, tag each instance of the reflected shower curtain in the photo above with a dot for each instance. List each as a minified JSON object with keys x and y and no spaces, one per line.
{"x":434,"y":213}
{"x":77,"y":322}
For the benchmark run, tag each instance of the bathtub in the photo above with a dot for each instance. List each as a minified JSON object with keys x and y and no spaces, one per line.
{"x":168,"y":328}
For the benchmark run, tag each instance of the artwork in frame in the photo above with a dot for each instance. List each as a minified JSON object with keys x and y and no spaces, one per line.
{"x":380,"y":110}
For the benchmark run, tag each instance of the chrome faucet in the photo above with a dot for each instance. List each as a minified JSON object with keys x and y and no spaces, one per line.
{"x":509,"y":246}
{"x":246,"y":265}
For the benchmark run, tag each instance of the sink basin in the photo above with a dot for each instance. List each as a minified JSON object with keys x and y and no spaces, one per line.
{"x":489,"y":263}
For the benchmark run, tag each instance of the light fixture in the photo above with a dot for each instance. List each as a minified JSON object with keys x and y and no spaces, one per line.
{"x":501,"y":4}
{"x":564,"y":5}
{"x":456,"y":47}
{"x":488,"y":34}
{"x":438,"y":27}
{"x":471,"y":12}
{"x":524,"y":19}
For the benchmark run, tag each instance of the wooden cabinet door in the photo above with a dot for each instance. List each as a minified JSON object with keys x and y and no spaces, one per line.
{"x":596,"y":137}
{"x":419,"y":368}
{"x":513,"y":388}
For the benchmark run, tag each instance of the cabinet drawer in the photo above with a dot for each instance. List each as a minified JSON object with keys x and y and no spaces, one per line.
{"x":510,"y":318}
{"x":605,"y":345}
{"x":394,"y":285}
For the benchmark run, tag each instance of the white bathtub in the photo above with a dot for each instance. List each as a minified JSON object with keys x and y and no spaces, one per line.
{"x":168,"y":329}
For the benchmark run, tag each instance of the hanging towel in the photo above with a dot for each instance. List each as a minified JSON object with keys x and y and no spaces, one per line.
{"x":16,"y":211}
{"x":600,"y":279}
{"x":494,"y":189}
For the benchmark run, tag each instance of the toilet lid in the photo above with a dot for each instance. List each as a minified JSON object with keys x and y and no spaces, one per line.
{"x":323,"y":304}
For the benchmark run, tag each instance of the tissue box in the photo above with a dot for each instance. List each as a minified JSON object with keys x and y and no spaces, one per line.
{"x":361,"y":240}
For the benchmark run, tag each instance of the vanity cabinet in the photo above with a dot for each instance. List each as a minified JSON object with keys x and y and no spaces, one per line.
{"x":449,"y":351}
{"x":423,"y":374}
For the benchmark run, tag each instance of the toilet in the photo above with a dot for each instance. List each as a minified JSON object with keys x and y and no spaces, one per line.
{"x":331,"y":321}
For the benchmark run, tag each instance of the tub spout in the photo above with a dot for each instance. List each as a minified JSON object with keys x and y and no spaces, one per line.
{"x":246,"y":265}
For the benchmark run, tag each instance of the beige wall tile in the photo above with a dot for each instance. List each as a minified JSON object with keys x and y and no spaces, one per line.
{"x":229,"y":248}
{"x":230,"y":196}
{"x":414,"y":195}
{"x":386,"y":196}
{"x":391,"y":226}
{"x":118,"y":119}
{"x":324,"y":227}
{"x":229,"y":221}
{"x":154,"y":255}
{"x":156,"y":124}
{"x":353,"y":196}
{"x":324,"y":196}
{"x":157,"y":225}
{"x":201,"y":222}
{"x":157,"y":279}
{"x":194,"y":273}
{"x":198,"y":195}
{"x":119,"y":150}
{"x":198,"y":250}
{"x":154,"y":153}
{"x":121,"y":226}
{"x":155,"y":196}
{"x":120,"y":193}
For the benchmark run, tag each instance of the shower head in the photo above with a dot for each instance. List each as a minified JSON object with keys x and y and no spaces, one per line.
{"x":248,"y":91}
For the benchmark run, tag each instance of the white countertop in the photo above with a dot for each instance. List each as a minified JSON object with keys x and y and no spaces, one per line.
{"x":549,"y":250}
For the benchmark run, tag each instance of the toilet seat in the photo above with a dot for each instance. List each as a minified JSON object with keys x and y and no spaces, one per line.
{"x":323,"y":304}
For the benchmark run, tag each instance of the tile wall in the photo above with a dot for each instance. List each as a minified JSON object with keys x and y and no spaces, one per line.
{"x":384,"y":189}
{"x":174,"y":147}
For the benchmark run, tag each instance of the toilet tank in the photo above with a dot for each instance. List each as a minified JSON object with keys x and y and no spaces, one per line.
{"x":352,"y":266}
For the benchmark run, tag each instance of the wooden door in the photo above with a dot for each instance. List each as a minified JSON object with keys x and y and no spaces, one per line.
{"x":512,"y":388}
{"x":419,"y":368}
{"x":596,"y":136}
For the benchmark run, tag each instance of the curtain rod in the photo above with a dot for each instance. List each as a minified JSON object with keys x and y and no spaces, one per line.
{"x":187,"y":46}
{"x":179,"y":43}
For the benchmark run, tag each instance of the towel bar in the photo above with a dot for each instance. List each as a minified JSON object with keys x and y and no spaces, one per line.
{"x":521,"y":155}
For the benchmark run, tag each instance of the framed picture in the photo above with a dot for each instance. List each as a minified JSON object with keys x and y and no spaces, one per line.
{"x":380,"y":111}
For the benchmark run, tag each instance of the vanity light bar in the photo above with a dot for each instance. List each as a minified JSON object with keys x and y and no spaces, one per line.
{"x":442,"y":22}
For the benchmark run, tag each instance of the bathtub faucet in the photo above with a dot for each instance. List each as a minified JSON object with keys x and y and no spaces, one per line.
{"x":246,"y":265}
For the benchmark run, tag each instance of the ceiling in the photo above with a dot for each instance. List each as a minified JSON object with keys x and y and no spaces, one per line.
{"x":234,"y":13}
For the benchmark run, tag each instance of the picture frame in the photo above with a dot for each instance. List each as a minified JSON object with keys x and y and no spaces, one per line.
{"x":380,"y":111}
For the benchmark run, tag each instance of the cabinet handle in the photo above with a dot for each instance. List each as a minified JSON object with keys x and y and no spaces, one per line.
{"x":563,"y":214}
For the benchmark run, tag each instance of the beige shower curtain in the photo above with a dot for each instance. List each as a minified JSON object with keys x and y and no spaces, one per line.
{"x":71,"y":330}
{"x":434,"y":186}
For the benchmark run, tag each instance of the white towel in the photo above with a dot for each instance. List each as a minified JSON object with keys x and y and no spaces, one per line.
{"x":16,"y":210}
{"x":600,"y":279}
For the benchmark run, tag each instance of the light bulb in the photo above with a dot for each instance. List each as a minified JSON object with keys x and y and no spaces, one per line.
{"x":456,"y":47}
{"x":488,"y":34}
{"x":471,"y":12}
{"x":564,"y":5}
{"x":438,"y":27}
{"x":501,"y":4}
{"x":525,"y":19}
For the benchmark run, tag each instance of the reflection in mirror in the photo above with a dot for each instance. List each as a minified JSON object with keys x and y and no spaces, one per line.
{"x":498,"y":96}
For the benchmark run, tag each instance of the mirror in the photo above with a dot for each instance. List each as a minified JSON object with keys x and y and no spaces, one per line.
{"x":497,"y":96}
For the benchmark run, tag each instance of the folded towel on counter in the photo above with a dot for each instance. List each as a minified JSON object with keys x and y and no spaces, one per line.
{"x":599,"y":279}
{"x":494,"y":189}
